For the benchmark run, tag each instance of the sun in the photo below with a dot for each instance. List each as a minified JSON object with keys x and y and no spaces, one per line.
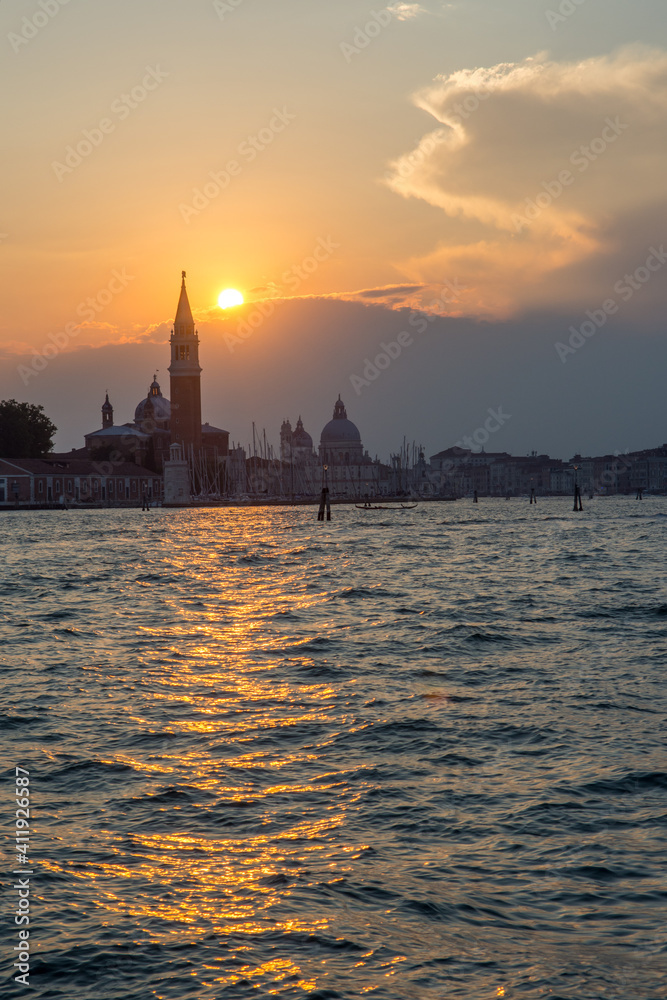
{"x":229,"y":298}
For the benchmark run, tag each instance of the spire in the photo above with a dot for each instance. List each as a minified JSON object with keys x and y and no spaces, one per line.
{"x":183,"y":312}
{"x":107,"y":413}
{"x":340,"y":413}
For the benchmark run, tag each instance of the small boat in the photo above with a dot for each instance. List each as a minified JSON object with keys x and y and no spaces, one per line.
{"x":370,"y":506}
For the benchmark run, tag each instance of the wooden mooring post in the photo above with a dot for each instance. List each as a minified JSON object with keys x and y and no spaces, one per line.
{"x":325,"y":504}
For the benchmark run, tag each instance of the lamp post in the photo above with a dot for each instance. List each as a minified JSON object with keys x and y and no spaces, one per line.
{"x":325,"y":504}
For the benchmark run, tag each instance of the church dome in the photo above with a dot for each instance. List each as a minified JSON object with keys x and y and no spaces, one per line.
{"x":154,"y":405}
{"x":300,"y":436}
{"x":340,"y":429}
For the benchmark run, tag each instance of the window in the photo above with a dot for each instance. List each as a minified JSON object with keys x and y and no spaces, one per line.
{"x":184,"y":352}
{"x":110,"y":484}
{"x":58,"y":486}
{"x":40,"y":486}
{"x":69,"y":485}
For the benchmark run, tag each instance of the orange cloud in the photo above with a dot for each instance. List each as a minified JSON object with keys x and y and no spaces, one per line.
{"x":542,"y":160}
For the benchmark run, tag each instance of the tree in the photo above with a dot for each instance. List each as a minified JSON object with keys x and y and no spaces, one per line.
{"x":25,"y":430}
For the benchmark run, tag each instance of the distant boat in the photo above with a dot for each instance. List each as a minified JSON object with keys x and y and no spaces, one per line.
{"x":370,"y":506}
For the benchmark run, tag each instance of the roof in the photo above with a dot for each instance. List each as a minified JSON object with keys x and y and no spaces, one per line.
{"x":210,"y":429}
{"x":54,"y":465}
{"x":452,"y":453}
{"x":116,"y":431}
{"x":456,"y":452}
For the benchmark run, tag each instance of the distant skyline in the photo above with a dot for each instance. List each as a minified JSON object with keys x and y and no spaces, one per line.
{"x":496,"y":167}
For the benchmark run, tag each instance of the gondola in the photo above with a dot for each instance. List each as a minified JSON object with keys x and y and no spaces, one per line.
{"x":370,"y":506}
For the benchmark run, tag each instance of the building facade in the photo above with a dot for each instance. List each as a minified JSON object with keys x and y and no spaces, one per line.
{"x":59,"y":480}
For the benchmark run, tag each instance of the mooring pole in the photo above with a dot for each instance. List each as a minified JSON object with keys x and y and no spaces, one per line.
{"x":474,"y":499}
{"x":640,"y":491}
{"x":577,"y":492}
{"x":325,"y":502}
{"x":533,"y":498}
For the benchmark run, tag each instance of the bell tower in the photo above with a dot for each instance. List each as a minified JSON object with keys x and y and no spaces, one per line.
{"x":185,"y":378}
{"x":107,"y":413}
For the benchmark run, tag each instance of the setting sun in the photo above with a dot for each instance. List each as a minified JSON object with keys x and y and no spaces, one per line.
{"x":229,"y":298}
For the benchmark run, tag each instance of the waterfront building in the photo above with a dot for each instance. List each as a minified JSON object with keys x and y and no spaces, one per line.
{"x":61,"y":479}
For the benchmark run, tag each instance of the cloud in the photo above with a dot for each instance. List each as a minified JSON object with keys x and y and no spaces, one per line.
{"x":391,"y":296}
{"x":380,"y":293}
{"x":539,"y":161}
{"x":405,"y":11}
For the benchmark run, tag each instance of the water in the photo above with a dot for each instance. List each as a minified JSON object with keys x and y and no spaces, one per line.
{"x":414,"y":754}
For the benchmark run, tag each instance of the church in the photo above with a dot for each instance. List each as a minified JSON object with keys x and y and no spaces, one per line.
{"x":341,"y":460}
{"x":159,"y":422}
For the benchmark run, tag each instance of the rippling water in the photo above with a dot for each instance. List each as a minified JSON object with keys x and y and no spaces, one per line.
{"x":415,"y":754}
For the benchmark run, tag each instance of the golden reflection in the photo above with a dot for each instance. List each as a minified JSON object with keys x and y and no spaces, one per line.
{"x":230,"y":658}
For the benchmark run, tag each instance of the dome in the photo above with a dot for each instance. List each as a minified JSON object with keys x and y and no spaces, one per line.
{"x":340,"y":429}
{"x":155,"y":401}
{"x":161,"y":408}
{"x":300,"y":437}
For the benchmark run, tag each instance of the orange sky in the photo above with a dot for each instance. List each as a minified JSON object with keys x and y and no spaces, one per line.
{"x":306,"y":149}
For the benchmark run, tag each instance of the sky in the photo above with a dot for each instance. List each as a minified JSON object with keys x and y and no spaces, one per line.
{"x":470,"y":194}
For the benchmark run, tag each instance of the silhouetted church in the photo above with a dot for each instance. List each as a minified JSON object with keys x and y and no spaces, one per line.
{"x":159,"y":422}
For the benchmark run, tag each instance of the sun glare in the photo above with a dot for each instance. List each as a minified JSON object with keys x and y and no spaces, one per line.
{"x":229,"y":298}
